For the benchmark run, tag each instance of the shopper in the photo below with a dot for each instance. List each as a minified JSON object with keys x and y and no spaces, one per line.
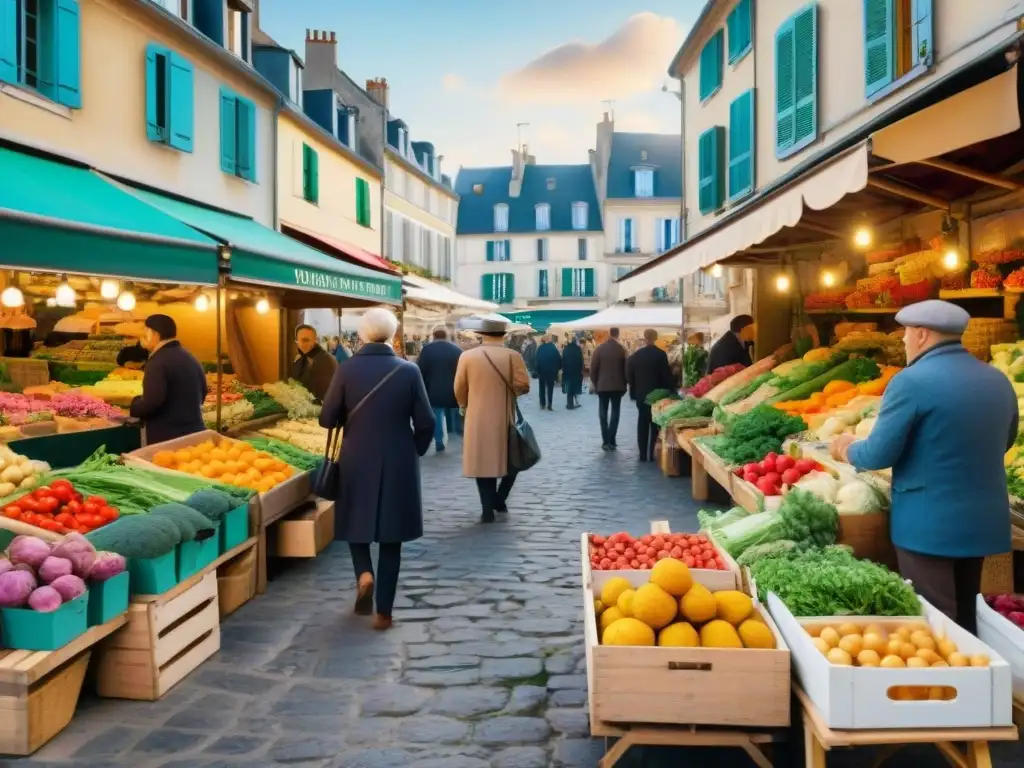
{"x":647,"y":369}
{"x":438,"y":362}
{"x":946,"y":421}
{"x":380,"y":402}
{"x":530,"y":355}
{"x":337,"y":348}
{"x":488,"y":381}
{"x":732,"y":348}
{"x":314,"y":366}
{"x":572,"y":373}
{"x":608,"y":379}
{"x":173,"y":385}
{"x":548,"y":364}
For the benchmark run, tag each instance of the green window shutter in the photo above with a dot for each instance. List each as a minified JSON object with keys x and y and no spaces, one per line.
{"x":567,"y":281}
{"x":589,"y":289}
{"x":508,"y":250}
{"x":509,"y":292}
{"x":9,"y":41}
{"x":245,"y":158}
{"x":879,"y":48}
{"x":740,"y":27}
{"x":741,"y":145}
{"x":921,"y":31}
{"x":68,"y":46}
{"x":542,"y":284}
{"x":785,"y":98}
{"x":228,"y":131}
{"x":490,"y":250}
{"x":711,"y":190}
{"x":487,"y":287}
{"x":305,"y":172}
{"x":156,"y":82}
{"x":314,"y":176}
{"x":180,"y":102}
{"x":805,"y":48}
{"x":363,"y":215}
{"x":711,"y":65}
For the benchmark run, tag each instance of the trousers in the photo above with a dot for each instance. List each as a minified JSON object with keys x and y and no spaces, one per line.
{"x":609,"y":426}
{"x":446,"y":418}
{"x":547,"y":391}
{"x":951,"y":584}
{"x":646,"y":431}
{"x":493,"y":494}
{"x":385,"y":583}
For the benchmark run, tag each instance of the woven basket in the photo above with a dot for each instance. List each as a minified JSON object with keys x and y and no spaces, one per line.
{"x":694,"y":423}
{"x":997,"y":574}
{"x":983,"y":332}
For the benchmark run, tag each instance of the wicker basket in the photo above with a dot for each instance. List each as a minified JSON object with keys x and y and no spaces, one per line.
{"x":997,"y":574}
{"x":27,"y":372}
{"x":983,"y":332}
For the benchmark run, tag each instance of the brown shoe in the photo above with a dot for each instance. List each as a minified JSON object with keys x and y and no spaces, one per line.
{"x":364,"y":597}
{"x":382,"y":622}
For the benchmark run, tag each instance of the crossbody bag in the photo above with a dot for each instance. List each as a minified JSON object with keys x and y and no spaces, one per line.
{"x":523,"y":449}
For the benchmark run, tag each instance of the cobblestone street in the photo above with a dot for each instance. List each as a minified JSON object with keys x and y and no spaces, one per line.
{"x":485,"y":668}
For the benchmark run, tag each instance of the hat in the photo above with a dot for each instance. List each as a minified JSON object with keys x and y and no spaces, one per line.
{"x":935,"y":315}
{"x":485,"y":326}
{"x":163,"y":325}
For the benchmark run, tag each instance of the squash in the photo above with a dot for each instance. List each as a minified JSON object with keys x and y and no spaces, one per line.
{"x":837,"y":386}
{"x":819,"y":355}
{"x":740,"y":378}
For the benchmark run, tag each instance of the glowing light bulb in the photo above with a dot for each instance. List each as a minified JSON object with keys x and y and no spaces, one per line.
{"x":66,"y":296}
{"x":51,"y":302}
{"x":126,"y":301}
{"x":862,"y":237}
{"x":716,"y":270}
{"x":262,"y":306}
{"x":202,"y":302}
{"x":951,"y":259}
{"x":109,"y":289}
{"x":782,"y":283}
{"x":12,"y":297}
{"x":828,"y":279}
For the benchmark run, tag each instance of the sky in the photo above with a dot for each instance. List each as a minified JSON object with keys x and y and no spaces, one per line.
{"x":464,"y":73}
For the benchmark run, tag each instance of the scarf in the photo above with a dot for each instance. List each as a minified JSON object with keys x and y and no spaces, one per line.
{"x":305,"y":361}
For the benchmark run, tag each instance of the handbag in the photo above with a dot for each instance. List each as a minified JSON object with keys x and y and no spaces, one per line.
{"x":523,"y":449}
{"x":325,"y":479}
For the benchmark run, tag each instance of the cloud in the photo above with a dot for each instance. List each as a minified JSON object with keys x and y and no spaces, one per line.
{"x":633,"y":59}
{"x":643,"y":122}
{"x":453,"y":82}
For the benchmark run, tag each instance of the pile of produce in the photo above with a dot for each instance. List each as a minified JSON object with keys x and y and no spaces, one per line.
{"x":621,"y":552}
{"x":18,"y":409}
{"x":231,"y":414}
{"x":76,"y":405}
{"x":666,"y":411}
{"x":294,"y":398}
{"x":1001,"y":255}
{"x":659,"y":395}
{"x":61,"y":508}
{"x":748,"y":389}
{"x":832,"y":582}
{"x":1014,"y":281}
{"x":42,"y":577}
{"x":695,"y":363}
{"x":752,"y":436}
{"x":228,"y":462}
{"x":802,"y":518}
{"x":18,"y":472}
{"x":115,"y":391}
{"x":302,"y":460}
{"x":263,"y":404}
{"x":306,"y":434}
{"x":986,"y":276}
{"x":709,"y":382}
{"x":857,"y":417}
{"x":775,"y":474}
{"x":73,"y":376}
{"x":885,"y":348}
{"x":831,"y":299}
{"x":839,"y":393}
{"x":672,"y":610}
{"x":853,"y":496}
{"x":1008,"y":606}
{"x":852,"y":371}
{"x":93,"y":350}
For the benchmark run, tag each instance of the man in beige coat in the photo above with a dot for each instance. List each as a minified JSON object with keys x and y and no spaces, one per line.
{"x":487,"y":381}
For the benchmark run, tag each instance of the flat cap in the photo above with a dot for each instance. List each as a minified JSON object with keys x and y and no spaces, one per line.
{"x":935,"y":315}
{"x":484,"y":325}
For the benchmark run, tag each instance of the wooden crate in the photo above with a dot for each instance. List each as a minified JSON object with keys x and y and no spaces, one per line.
{"x":164,"y":640}
{"x":236,"y":582}
{"x":39,"y":690}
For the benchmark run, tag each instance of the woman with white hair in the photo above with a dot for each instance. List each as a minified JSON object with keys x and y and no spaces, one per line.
{"x":380,"y":402}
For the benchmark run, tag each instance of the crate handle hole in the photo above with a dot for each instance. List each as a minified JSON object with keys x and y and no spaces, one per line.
{"x":690,"y":666}
{"x":922,"y":693}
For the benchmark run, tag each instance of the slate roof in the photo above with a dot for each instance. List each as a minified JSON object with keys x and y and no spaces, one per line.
{"x":573,"y":183}
{"x":664,"y":154}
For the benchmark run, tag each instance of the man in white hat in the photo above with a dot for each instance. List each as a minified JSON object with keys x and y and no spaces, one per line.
{"x":945,"y":423}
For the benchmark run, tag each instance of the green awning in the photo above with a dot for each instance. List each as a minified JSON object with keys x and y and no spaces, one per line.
{"x":266,"y":257}
{"x":62,"y":218}
{"x":540,"y":319}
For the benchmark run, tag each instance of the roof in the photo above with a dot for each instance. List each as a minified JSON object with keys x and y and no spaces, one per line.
{"x":664,"y":153}
{"x":573,"y":183}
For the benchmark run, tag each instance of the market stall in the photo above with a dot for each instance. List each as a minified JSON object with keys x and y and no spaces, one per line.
{"x":623,"y":316}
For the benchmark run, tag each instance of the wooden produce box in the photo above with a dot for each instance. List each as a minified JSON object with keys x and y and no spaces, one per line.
{"x":681,"y":686}
{"x":1006,"y":639}
{"x":236,"y":582}
{"x":858,"y":698}
{"x":39,"y":690}
{"x":713,"y":580}
{"x":668,"y":454}
{"x":165,"y":639}
{"x":306,"y":532}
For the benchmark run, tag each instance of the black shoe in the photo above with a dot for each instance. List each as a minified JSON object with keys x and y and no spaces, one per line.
{"x":439,"y":448}
{"x":606,"y":447}
{"x":643,"y":458}
{"x":501,"y":507}
{"x":550,"y":408}
{"x":613,"y":446}
{"x":487,"y":517}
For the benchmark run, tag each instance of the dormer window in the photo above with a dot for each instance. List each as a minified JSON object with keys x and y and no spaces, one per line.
{"x":579,"y":215}
{"x":551,"y":184}
{"x":501,"y":217}
{"x":643,"y":182}
{"x":180,"y":8}
{"x":238,"y":37}
{"x":478,"y":189}
{"x":403,"y":141}
{"x":347,"y":133}
{"x":643,"y":155}
{"x":294,"y":82}
{"x":543,"y":214}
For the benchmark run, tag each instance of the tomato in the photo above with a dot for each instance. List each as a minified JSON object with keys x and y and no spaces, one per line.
{"x":597,"y":540}
{"x":91,"y":508}
{"x":13,"y":512}
{"x":634,"y":563}
{"x":64,"y":518}
{"x":28,"y":503}
{"x":63,"y":493}
{"x":48,"y":504}
{"x":74,"y":507}
{"x":676,"y":552}
{"x":98,"y":500}
{"x":605,"y":563}
{"x":719,"y":564}
{"x":630,"y":553}
{"x":688,"y":559}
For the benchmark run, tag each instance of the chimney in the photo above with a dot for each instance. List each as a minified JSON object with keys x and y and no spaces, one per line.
{"x":378,"y":90}
{"x":321,"y":53}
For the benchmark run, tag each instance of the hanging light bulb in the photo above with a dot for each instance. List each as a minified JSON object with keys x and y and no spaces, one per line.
{"x":951,"y":259}
{"x":202,"y":302}
{"x":716,"y":270}
{"x":828,"y":279}
{"x":109,"y":289}
{"x":782,"y":283}
{"x":126,"y":301}
{"x":51,"y":302}
{"x":12,"y":297}
{"x":862,"y":237}
{"x":66,"y":296}
{"x":262,"y":306}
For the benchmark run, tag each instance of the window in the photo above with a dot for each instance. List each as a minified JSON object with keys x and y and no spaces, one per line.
{"x":708,"y":287}
{"x":294,"y":81}
{"x":581,"y":248}
{"x":169,"y":98}
{"x":499,"y":250}
{"x":478,"y":189}
{"x":310,"y":175}
{"x":542,"y":249}
{"x":711,"y":66}
{"x":643,"y":182}
{"x":580,"y":215}
{"x":897,"y":40}
{"x":740,"y":27}
{"x":578,"y":282}
{"x":543,"y":215}
{"x":741,"y":145}
{"x":621,"y":272}
{"x":237,"y":135}
{"x":347,"y":133}
{"x":542,"y":284}
{"x":710,"y":156}
{"x":668,"y":234}
{"x":39,"y":48}
{"x":238,"y":34}
{"x":796,"y":82}
{"x":551,"y":183}
{"x":627,"y":237}
{"x":498,"y":287}
{"x":501,"y":217}
{"x":364,"y":215}
{"x":447,"y":263}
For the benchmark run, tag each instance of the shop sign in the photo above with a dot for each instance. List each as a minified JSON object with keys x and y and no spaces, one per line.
{"x":312,"y":279}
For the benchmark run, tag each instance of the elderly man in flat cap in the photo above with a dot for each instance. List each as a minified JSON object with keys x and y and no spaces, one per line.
{"x":173,"y":385}
{"x":945,"y":423}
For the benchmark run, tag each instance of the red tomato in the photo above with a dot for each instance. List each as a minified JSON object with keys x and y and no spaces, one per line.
{"x":676,"y":552}
{"x":605,"y":562}
{"x":620,"y":547}
{"x":645,"y":566}
{"x":719,"y":564}
{"x":634,"y":563}
{"x":688,"y":559}
{"x":74,"y":507}
{"x":108,"y":514}
{"x":48,"y":504}
{"x":28,"y":503}
{"x":647,"y":539}
{"x":662,"y":555}
{"x":597,"y":540}
{"x":91,"y":508}
{"x":13,"y":512}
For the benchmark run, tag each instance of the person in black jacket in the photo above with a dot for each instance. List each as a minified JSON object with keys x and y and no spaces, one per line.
{"x":647,"y":370}
{"x":732,"y":347}
{"x":547,"y":363}
{"x":438,"y":362}
{"x":572,"y":373}
{"x":173,"y":385}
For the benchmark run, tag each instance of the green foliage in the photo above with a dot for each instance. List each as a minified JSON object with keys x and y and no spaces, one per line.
{"x":751,"y":436}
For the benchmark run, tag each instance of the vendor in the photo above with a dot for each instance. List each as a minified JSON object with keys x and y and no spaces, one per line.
{"x":173,"y":387}
{"x":314,"y":367}
{"x":133,"y":356}
{"x":945,"y":423}
{"x":733,"y":347}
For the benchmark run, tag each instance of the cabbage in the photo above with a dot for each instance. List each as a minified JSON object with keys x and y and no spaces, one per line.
{"x":28,"y":550}
{"x":15,"y":587}
{"x":69,"y":587}
{"x":53,"y":568}
{"x":45,"y":600}
{"x":821,"y":484}
{"x":857,"y":498}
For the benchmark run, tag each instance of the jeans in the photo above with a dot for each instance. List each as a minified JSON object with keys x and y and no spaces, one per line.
{"x":646,"y":431}
{"x":446,"y":418}
{"x":609,"y":427}
{"x":547,"y":391}
{"x":493,"y":494}
{"x":389,"y":561}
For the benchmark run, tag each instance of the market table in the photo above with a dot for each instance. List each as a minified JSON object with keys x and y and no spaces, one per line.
{"x":820,"y":739}
{"x":753,"y":743}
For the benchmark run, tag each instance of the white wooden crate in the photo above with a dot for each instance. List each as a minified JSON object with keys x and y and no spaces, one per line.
{"x":1006,"y":639}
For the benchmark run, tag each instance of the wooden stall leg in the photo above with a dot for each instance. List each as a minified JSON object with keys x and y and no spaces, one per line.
{"x":261,"y":561}
{"x":756,"y":753}
{"x":978,"y":755}
{"x":698,"y":479}
{"x":886,"y":752}
{"x":953,"y":754}
{"x":618,"y":751}
{"x":814,"y":752}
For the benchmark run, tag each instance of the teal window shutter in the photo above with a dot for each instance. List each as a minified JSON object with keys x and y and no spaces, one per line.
{"x":542,"y":284}
{"x":785,"y":96}
{"x":156,"y":83}
{"x":510,"y":288}
{"x":741,"y":145}
{"x":921,"y":31}
{"x":879,"y":48}
{"x":805,"y":57}
{"x":740,"y":28}
{"x":490,"y":250}
{"x":567,"y":281}
{"x":181,"y":98}
{"x":314,"y":176}
{"x":68,"y":46}
{"x":9,"y":40}
{"x":508,"y":250}
{"x":589,"y":289}
{"x":363,"y":213}
{"x":246,"y":139}
{"x":228,"y":131}
{"x":305,"y":172}
{"x":710,"y":157}
{"x":487,"y":287}
{"x":711,"y":66}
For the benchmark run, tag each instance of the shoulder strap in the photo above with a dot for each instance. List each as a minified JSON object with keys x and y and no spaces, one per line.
{"x":507,"y":382}
{"x":370,"y":394}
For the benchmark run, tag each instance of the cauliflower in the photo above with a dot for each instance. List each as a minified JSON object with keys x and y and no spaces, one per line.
{"x":857,"y":498}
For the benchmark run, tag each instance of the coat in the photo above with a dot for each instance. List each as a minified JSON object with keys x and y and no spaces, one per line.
{"x":530,"y":355}
{"x":489,"y":406}
{"x":315,"y":371}
{"x":438,"y":362}
{"x":728,"y":350}
{"x":173,"y":390}
{"x":608,"y":367}
{"x":946,"y":421}
{"x":572,"y":369}
{"x":548,"y":361}
{"x":647,"y":369}
{"x":379,"y":497}
{"x":341,"y":354}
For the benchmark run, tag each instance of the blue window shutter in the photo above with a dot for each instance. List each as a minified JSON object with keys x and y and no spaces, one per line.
{"x":510,"y":288}
{"x":879,"y":51}
{"x":711,"y":65}
{"x":740,"y":29}
{"x":487,"y":287}
{"x":710,"y":158}
{"x":69,"y":65}
{"x":622,"y":234}
{"x":490,"y":250}
{"x":589,"y":289}
{"x":741,"y":145}
{"x":154,"y":131}
{"x":343,"y":126}
{"x":921,"y":32}
{"x":182,"y":97}
{"x":228,"y":131}
{"x":785,"y":95}
{"x":629,"y":235}
{"x":9,"y":40}
{"x":567,"y":281}
{"x":660,"y":230}
{"x":542,"y":283}
{"x":246,"y":139}
{"x":508,"y":250}
{"x":805,"y":57}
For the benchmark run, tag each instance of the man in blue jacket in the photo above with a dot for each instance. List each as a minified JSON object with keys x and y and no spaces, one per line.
{"x":547,"y":363}
{"x":945,"y":423}
{"x":438,"y":362}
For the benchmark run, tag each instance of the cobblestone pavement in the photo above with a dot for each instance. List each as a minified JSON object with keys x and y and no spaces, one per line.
{"x":484,"y":669}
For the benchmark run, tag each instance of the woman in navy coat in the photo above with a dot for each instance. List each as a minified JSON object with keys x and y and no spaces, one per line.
{"x":572,"y":373}
{"x":380,"y":402}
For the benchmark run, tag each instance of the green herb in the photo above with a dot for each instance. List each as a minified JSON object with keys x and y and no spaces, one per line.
{"x":712,"y":521}
{"x":660,"y":394}
{"x":287,"y":453}
{"x":688,"y":408}
{"x":751,"y":436}
{"x":695,"y":364}
{"x":262,"y":403}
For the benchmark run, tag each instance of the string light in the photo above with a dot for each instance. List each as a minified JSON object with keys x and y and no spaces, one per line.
{"x":782,"y":283}
{"x":202,"y":302}
{"x":951,"y":259}
{"x":828,"y":279}
{"x":109,"y":289}
{"x":126,"y":301}
{"x":12,"y":297}
{"x":66,"y":296}
{"x":262,"y":306}
{"x":716,"y":270}
{"x":862,"y":237}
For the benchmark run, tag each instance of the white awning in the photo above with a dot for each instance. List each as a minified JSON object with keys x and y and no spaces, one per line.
{"x":422,"y":291}
{"x":623,"y":316}
{"x":513,"y":326}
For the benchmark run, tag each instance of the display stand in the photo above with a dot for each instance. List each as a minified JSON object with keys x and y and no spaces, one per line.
{"x":819,"y":739}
